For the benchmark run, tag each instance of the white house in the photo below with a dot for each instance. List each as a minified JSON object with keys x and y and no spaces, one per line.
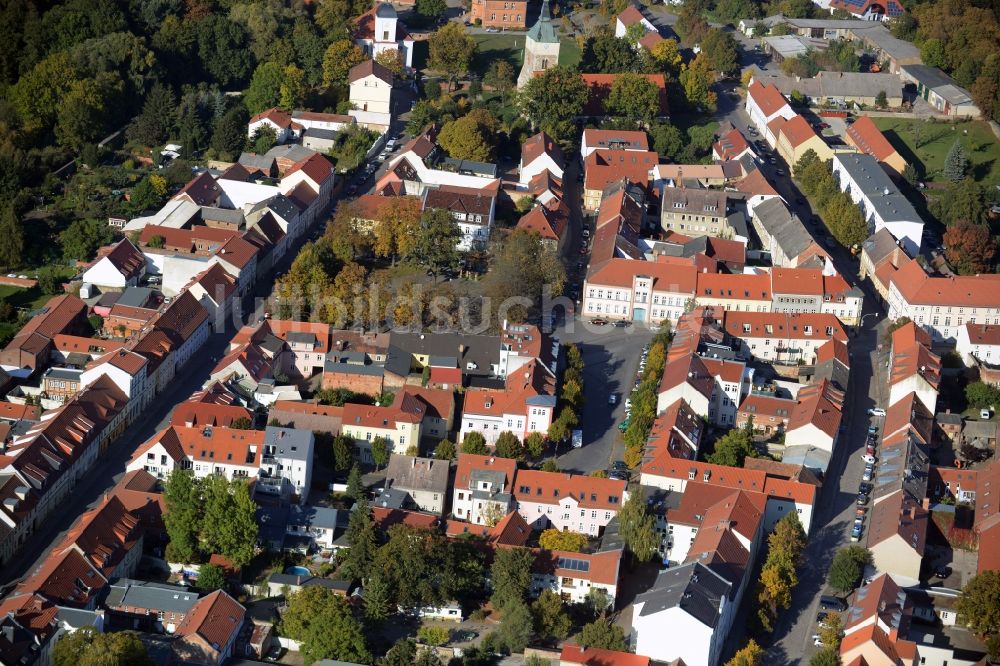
{"x":278,"y":121}
{"x":629,"y":17}
{"x":483,"y":487}
{"x":414,"y":169}
{"x":571,"y":502}
{"x":540,"y":153}
{"x":782,"y":337}
{"x":978,"y":342}
{"x":371,"y":95}
{"x":764,"y":104}
{"x":127,"y":370}
{"x":685,"y":616}
{"x":815,"y":421}
{"x":472,"y":210}
{"x":914,"y":368}
{"x":573,"y":576}
{"x":713,"y":387}
{"x":379,"y":30}
{"x":527,"y":404}
{"x":122,"y":267}
{"x":882,"y":205}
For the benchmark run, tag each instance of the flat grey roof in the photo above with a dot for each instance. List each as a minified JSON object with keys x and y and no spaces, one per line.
{"x":63,"y":373}
{"x":152,"y":595}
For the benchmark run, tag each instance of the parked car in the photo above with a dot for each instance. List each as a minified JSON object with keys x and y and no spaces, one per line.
{"x":869,"y":450}
{"x":831,"y":603}
{"x":613,"y":399}
{"x":856,"y":530}
{"x":872,"y":429}
{"x":618,"y":476}
{"x":597,"y":321}
{"x":621,"y":324}
{"x":862,"y":499}
{"x":868,"y":458}
{"x":866,"y":488}
{"x":876,"y":411}
{"x":623,"y":426}
{"x":869,"y":472}
{"x":619,"y":466}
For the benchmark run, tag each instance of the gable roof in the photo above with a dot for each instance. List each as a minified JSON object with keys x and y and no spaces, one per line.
{"x":553,"y":487}
{"x":548,"y":220}
{"x":691,"y":587}
{"x":370,"y":68}
{"x":541,"y":144}
{"x":214,"y":619}
{"x":281,"y":119}
{"x":867,"y":138}
{"x":767,"y":98}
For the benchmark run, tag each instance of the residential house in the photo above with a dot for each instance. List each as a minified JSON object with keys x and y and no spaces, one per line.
{"x":943,"y":305}
{"x":765,"y":103}
{"x":549,"y":221}
{"x":795,"y":137}
{"x":768,"y":412}
{"x":880,"y":202}
{"x":324,"y":121}
{"x":307,"y":416}
{"x":782,"y":337}
{"x":398,"y":423}
{"x":280,"y":122}
{"x":286,"y":463}
{"x":244,"y":368}
{"x":128,"y":370}
{"x":30,"y":349}
{"x":831,"y":88}
{"x":695,"y":212}
{"x":603,"y":167}
{"x":425,"y":480}
{"x":731,"y":145}
{"x":865,"y":135}
{"x":814,"y":425}
{"x":506,"y":15}
{"x":599,"y":139}
{"x":472,"y":210}
{"x":574,"y":655}
{"x":415,"y":168}
{"x":684,"y":616}
{"x":881,"y":256}
{"x":914,"y":367}
{"x":987,"y":518}
{"x":483,"y":488}
{"x":59,"y":384}
{"x":573,"y":576}
{"x":371,"y":95}
{"x":379,"y":30}
{"x":714,"y":387}
{"x":783,"y":235}
{"x":878,"y":625}
{"x":148,"y":605}
{"x":214,"y":288}
{"x":978,"y":343}
{"x":540,"y":153}
{"x":122,"y":267}
{"x":31,"y":625}
{"x":629,"y":17}
{"x":525,"y":405}
{"x":209,"y":631}
{"x":567,"y":501}
{"x":869,"y":10}
{"x":897,"y":536}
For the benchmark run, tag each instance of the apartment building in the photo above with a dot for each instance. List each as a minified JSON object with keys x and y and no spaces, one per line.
{"x":399,"y":423}
{"x":574,"y":576}
{"x":483,"y":488}
{"x":943,"y":305}
{"x":568,"y":501}
{"x":782,"y":337}
{"x":525,"y":405}
{"x":503,"y":14}
{"x":695,"y":212}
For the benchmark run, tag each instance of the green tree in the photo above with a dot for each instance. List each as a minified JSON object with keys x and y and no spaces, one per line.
{"x":733,"y":448}
{"x":265,"y":87}
{"x":750,"y":654}
{"x":550,"y":465}
{"x":508,"y":446}
{"x":534,"y":444}
{"x":338,"y":60}
{"x":516,"y":626}
{"x":430,"y":9}
{"x":293,"y":89}
{"x":637,"y":527}
{"x":979,"y":603}
{"x":634,"y":96}
{"x":980,"y":395}
{"x":847,"y":566}
{"x":264,"y":138}
{"x":696,"y":78}
{"x":474,"y":442}
{"x":402,"y":653}
{"x":521,"y":271}
{"x":82,"y":238}
{"x":964,"y":201}
{"x":381,"y":448}
{"x":229,"y":524}
{"x":445,"y":450}
{"x":433,"y":635}
{"x":932,"y":53}
{"x":343,"y":452}
{"x":825,"y":657}
{"x":844,"y":219}
{"x":153,"y":125}
{"x":470,"y":137}
{"x":182,"y":496}
{"x":451,"y":51}
{"x":552,"y":622}
{"x":668,"y":140}
{"x":88,"y":647}
{"x":808,"y":158}
{"x":553,"y":99}
{"x":437,"y":237}
{"x":511,"y":577}
{"x":229,"y":135}
{"x":355,"y":488}
{"x":830,"y":633}
{"x":722,"y":50}
{"x":956,"y":163}
{"x":323,"y":623}
{"x":500,"y":77}
{"x":211,"y":577}
{"x":377,"y":598}
{"x":11,"y":238}
{"x":361,"y":538}
{"x":602,"y":633}
{"x":881,"y":100}
{"x":605,"y":53}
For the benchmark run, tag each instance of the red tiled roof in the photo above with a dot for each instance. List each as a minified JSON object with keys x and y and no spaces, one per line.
{"x":549,"y":220}
{"x":280,"y":118}
{"x":603,"y":167}
{"x":968,"y":290}
{"x":553,"y":487}
{"x":805,"y":325}
{"x":767,"y":97}
{"x":731,"y":144}
{"x":216,"y":282}
{"x":819,"y":405}
{"x":208,"y":414}
{"x":867,"y":138}
{"x":900,"y":515}
{"x":202,"y":190}
{"x":468,"y":462}
{"x":385,"y":518}
{"x":798,"y":130}
{"x":10,"y":411}
{"x":598,"y":138}
{"x":755,"y":183}
{"x":538,"y":145}
{"x":214,"y":619}
{"x":603,"y":567}
{"x":592,"y":656}
{"x":318,"y":168}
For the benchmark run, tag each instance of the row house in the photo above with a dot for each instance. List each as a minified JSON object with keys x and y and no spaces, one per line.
{"x":881,"y":256}
{"x":781,"y":337}
{"x":695,"y":212}
{"x":522,"y":343}
{"x":483,"y":488}
{"x":549,"y":221}
{"x":103,"y":544}
{"x":525,"y":405}
{"x":764,"y":103}
{"x":625,"y":140}
{"x":676,"y":431}
{"x":768,"y":413}
{"x":943,"y":305}
{"x":713,"y":387}
{"x":31,"y":625}
{"x":215,"y":288}
{"x":813,"y":427}
{"x":794,"y":137}
{"x":785,"y":492}
{"x":637,"y":290}
{"x":913,"y":367}
{"x":29,"y":351}
{"x":44,"y":464}
{"x":399,"y":423}
{"x":575,"y":576}
{"x":148,"y":605}
{"x":602,"y":167}
{"x":423,"y":480}
{"x":278,"y":459}
{"x":731,"y":144}
{"x":877,"y":627}
{"x":978,"y":343}
{"x":881,"y":203}
{"x":127,"y":370}
{"x":784,"y":236}
{"x":568,"y":501}
{"x":280,"y":122}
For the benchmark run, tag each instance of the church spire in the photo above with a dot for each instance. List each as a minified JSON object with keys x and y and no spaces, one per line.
{"x":543,"y":30}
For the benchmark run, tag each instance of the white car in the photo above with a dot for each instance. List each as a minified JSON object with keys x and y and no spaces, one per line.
{"x":628,"y":403}
{"x":613,"y":399}
{"x":876,"y":411}
{"x":868,"y":459}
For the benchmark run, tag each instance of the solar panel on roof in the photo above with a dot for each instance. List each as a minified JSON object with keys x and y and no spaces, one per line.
{"x":573,"y":564}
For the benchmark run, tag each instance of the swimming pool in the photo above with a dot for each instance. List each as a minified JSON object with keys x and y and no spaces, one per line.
{"x":297,"y":571}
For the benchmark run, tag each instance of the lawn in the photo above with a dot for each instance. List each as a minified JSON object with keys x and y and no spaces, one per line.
{"x":30,"y":299}
{"x":510,"y":47}
{"x":936,"y":139}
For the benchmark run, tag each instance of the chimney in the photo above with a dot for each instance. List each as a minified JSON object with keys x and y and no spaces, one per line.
{"x":281,"y":434}
{"x":913,"y":512}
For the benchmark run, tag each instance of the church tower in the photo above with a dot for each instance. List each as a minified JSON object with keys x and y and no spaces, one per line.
{"x":541,"y":48}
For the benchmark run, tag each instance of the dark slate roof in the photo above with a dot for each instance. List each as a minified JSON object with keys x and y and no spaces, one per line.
{"x":392,"y":498}
{"x":135,"y":297}
{"x":319,"y":133}
{"x":151,"y":595}
{"x":693,"y":587}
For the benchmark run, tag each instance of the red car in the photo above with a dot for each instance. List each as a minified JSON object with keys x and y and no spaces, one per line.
{"x":599,"y":322}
